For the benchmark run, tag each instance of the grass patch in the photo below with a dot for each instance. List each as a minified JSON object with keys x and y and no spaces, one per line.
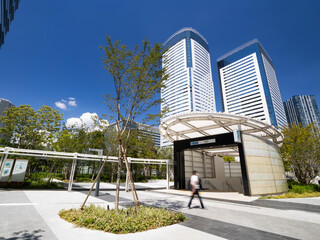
{"x":298,"y":190}
{"x":293,"y":195}
{"x":124,"y":221}
{"x":40,"y":184}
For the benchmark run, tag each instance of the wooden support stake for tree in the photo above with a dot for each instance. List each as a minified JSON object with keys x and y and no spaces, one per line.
{"x":100,"y":171}
{"x":133,"y":189}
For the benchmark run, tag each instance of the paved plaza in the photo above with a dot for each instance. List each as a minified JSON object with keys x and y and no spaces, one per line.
{"x":33,"y":214}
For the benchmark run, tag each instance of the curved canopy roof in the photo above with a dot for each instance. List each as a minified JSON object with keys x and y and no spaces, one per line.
{"x":199,"y":124}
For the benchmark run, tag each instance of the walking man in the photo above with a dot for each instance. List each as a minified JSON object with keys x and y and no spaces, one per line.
{"x":194,"y":182}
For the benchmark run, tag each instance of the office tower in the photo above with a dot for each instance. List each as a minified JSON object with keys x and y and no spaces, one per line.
{"x":7,"y":10}
{"x":302,"y":109}
{"x":249,"y":85}
{"x":189,"y":87}
{"x":4,"y":104}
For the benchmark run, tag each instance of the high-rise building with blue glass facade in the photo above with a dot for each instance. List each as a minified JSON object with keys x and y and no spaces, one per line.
{"x":249,"y":86}
{"x":302,"y":109}
{"x":7,"y":10}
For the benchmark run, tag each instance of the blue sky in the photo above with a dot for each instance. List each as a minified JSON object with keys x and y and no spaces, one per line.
{"x":51,"y":52}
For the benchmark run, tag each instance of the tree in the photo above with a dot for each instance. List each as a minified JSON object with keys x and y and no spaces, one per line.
{"x":301,"y":151}
{"x":66,"y":141}
{"x":140,"y":145}
{"x":23,"y":127}
{"x":49,"y":121}
{"x":137,"y":76}
{"x":20,"y":127}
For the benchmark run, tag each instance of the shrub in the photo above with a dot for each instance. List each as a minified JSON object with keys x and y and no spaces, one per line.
{"x":142,"y":178}
{"x":123,"y":221}
{"x":299,"y":190}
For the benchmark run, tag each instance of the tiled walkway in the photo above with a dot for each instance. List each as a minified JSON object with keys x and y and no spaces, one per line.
{"x":33,"y":215}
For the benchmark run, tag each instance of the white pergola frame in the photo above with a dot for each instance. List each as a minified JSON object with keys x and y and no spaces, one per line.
{"x":5,"y":151}
{"x":200,"y":124}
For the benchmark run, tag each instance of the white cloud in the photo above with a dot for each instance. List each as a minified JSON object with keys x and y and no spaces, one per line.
{"x":87,"y":120}
{"x":73,"y":122}
{"x":61,"y":105}
{"x":72,"y":102}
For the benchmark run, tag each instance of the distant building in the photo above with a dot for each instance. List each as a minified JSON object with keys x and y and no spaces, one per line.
{"x":249,"y":85}
{"x":4,"y":104}
{"x":7,"y":11}
{"x":302,"y":109}
{"x":151,"y":131}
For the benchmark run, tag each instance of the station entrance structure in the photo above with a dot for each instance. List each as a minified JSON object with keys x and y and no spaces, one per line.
{"x":201,"y":139}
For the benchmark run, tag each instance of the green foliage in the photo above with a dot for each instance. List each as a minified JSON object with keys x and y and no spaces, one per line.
{"x":165,"y":153}
{"x":140,"y":145}
{"x":294,"y":195}
{"x":123,"y":221}
{"x":41,"y":184}
{"x":301,"y":188}
{"x":137,"y":75}
{"x":301,"y":151}
{"x":228,"y":159}
{"x":23,"y":127}
{"x":38,"y":184}
{"x":298,"y":190}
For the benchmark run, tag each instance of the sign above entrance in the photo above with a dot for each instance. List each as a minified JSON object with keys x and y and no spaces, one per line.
{"x":213,"y":140}
{"x":236,"y":136}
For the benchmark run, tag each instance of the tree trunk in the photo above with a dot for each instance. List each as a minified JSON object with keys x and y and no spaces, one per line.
{"x":51,"y":170}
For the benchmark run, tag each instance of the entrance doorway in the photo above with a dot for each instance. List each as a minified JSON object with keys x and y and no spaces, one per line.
{"x":205,"y":155}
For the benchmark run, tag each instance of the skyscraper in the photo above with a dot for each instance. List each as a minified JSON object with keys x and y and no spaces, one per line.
{"x":302,"y":109}
{"x":4,"y":104}
{"x":249,"y":85}
{"x":189,"y":87}
{"x":7,"y":10}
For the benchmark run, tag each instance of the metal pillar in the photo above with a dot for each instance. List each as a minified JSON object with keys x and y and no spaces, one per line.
{"x":127,"y":176}
{"x":127,"y":182}
{"x":73,"y":169}
{"x":204,"y":159}
{"x":98,"y":180}
{"x":168,"y":179}
{"x":100,"y":152}
{"x":3,"y":160}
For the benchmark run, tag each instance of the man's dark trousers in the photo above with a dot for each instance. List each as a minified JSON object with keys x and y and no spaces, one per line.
{"x":195,"y":193}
